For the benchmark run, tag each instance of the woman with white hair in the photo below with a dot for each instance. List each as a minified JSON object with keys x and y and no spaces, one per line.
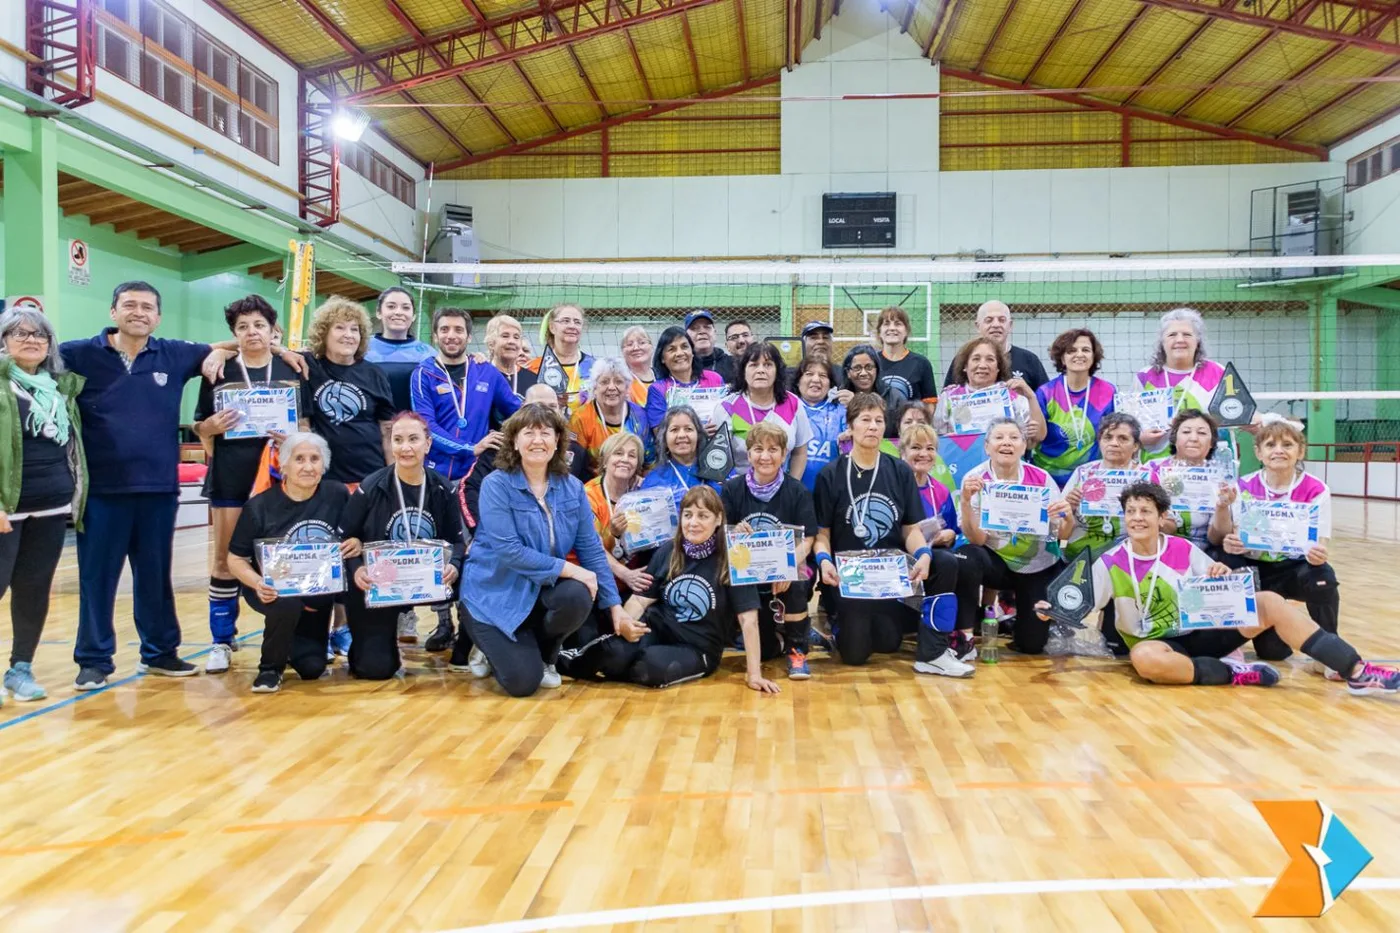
{"x":42,"y":480}
{"x":1179,"y":363}
{"x":305,"y":507}
{"x":636,"y":349}
{"x":505,"y":342}
{"x":608,"y":411}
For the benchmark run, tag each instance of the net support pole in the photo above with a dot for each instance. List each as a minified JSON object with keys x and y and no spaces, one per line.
{"x":1388,"y":361}
{"x":1322,"y":414}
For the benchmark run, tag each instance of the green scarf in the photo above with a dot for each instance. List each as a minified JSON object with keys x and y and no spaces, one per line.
{"x":47,"y":407}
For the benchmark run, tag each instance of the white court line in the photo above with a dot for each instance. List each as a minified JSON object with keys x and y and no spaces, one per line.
{"x":926,"y":892}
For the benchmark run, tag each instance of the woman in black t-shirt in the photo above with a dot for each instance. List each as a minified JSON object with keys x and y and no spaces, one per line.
{"x":302,"y":508}
{"x":687,"y":615}
{"x":766,"y":498}
{"x":402,"y":502}
{"x":351,"y":402}
{"x":233,"y":462}
{"x":42,"y":480}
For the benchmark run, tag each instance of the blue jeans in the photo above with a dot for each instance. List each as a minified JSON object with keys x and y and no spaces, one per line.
{"x":139,"y":527}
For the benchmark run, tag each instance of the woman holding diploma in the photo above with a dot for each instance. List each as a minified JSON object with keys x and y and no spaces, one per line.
{"x":825,"y":415}
{"x":619,"y":465}
{"x":303,"y":508}
{"x":675,"y":367}
{"x":1300,"y":571}
{"x":1191,"y":474}
{"x":1179,"y":363}
{"x":522,"y":598}
{"x":1143,"y":577}
{"x":1098,"y":521}
{"x":681,"y":438}
{"x":761,"y":396}
{"x":1024,"y":562}
{"x":979,"y":365}
{"x":1073,"y":405}
{"x":405,"y":502}
{"x":764,"y":498}
{"x":562,"y":365}
{"x":685,"y":618}
{"x":234,"y":461}
{"x":867,"y":500}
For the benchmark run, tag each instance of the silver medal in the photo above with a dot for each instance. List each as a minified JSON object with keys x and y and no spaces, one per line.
{"x":617,"y":551}
{"x":49,"y":430}
{"x":860,"y":531}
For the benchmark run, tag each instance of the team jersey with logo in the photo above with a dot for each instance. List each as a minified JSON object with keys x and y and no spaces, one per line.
{"x":1308,"y":489}
{"x":907,"y":379}
{"x":1071,"y":425}
{"x":590,"y":428}
{"x":398,"y":359}
{"x":1190,"y":389}
{"x":698,"y":607}
{"x":827,"y":421}
{"x":347,"y":405}
{"x":274,"y":514}
{"x":1022,"y":553}
{"x":791,"y":505}
{"x":789,"y":414}
{"x":1144,"y":590}
{"x":885,"y":501}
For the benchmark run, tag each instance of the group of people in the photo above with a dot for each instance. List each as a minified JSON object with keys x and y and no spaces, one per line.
{"x":518,"y":464}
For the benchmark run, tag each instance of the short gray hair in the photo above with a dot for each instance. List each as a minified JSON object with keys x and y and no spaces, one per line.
{"x":632,"y":331}
{"x":998,"y":422}
{"x":294,"y":440}
{"x":609,"y":366}
{"x":13,"y":318}
{"x":1190,"y":316}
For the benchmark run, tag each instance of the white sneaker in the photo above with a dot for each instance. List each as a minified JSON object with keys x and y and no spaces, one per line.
{"x":478,"y":664}
{"x":218,"y":661}
{"x":1317,"y":667}
{"x":945,"y":665}
{"x":408,"y":627}
{"x":551,"y":679}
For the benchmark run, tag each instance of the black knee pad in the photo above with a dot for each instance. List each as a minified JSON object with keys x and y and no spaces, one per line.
{"x":1269,"y":647}
{"x":310,"y":669}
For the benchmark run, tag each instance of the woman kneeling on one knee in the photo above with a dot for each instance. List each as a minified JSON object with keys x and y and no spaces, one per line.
{"x":687,"y":614}
{"x":1142,"y":577}
{"x":302,"y":508}
{"x":403,"y":502}
{"x":522,"y":597}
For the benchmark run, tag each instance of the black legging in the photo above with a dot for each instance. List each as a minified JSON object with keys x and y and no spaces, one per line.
{"x":981,"y":566}
{"x":1296,"y":579}
{"x":28,"y":558}
{"x":518,"y":662}
{"x":660,"y":658}
{"x":294,"y":630}
{"x":862,"y":627}
{"x":374,"y":637}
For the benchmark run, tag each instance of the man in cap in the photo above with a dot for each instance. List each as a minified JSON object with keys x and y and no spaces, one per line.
{"x":700,"y":324}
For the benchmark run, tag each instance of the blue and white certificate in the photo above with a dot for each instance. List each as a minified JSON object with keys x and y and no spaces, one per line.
{"x":1217,"y":602}
{"x":880,"y":574}
{"x":302,"y":568}
{"x":1153,"y":408}
{"x":761,"y":557}
{"x":651,"y":518}
{"x":406,"y":574}
{"x":1289,"y":528}
{"x":971,"y":412}
{"x":266,"y":408}
{"x":1194,"y":489}
{"x":1101,"y":489}
{"x":701,"y":398}
{"x":1016,"y":509}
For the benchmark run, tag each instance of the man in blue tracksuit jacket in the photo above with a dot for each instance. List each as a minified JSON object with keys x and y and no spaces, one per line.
{"x":462,"y":400}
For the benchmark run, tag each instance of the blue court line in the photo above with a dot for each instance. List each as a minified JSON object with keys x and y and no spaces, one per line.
{"x":83,"y":695}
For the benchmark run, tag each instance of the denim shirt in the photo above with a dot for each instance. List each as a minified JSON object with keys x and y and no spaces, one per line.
{"x":513,"y":556}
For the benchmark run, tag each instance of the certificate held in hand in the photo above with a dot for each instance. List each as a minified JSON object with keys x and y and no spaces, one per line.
{"x":702,"y":399}
{"x":880,"y":574}
{"x":301,"y":568}
{"x":1016,"y":509}
{"x":1289,"y":528}
{"x":265,"y":408}
{"x":651,"y":518}
{"x":1153,"y":408}
{"x":1218,"y":602}
{"x":757,"y":558}
{"x":406,"y":574}
{"x":971,"y":412}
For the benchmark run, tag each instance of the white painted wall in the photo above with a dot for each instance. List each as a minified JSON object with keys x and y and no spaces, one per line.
{"x":360,"y":201}
{"x":1373,"y":225}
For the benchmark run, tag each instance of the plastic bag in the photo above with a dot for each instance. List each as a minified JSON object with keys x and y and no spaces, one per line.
{"x":1076,"y":641}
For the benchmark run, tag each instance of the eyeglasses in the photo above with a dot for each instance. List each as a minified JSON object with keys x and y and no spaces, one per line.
{"x":29,"y":335}
{"x":740,"y":335}
{"x":863,"y":368}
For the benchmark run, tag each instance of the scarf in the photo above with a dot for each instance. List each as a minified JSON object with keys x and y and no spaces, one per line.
{"x":47,"y":405}
{"x":702,"y":550}
{"x":763,"y":492}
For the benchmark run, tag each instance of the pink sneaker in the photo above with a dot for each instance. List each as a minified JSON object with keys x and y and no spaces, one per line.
{"x":1374,"y":679}
{"x":1252,"y":675}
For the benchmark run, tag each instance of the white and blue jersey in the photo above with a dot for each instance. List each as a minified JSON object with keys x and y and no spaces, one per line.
{"x":828,"y":421}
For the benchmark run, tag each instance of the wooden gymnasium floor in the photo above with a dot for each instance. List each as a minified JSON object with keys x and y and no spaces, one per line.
{"x":1040,"y":795}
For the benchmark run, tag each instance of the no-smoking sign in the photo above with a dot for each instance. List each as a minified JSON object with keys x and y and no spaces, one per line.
{"x":78,"y":271}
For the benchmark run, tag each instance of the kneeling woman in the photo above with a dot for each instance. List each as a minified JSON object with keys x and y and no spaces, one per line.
{"x":403,"y":502}
{"x":302,"y":508}
{"x":1022,"y":563}
{"x":1142,"y":577}
{"x":522,"y":598}
{"x":766,"y":498}
{"x":868,"y":500}
{"x":686,"y":616}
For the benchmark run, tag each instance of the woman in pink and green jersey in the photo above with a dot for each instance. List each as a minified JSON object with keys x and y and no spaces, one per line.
{"x":1179,"y":363}
{"x":1074,"y":403}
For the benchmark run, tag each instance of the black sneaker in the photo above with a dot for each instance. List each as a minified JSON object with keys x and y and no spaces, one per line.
{"x":443,"y":636}
{"x":90,"y":678}
{"x":167,"y":667}
{"x":267,"y":682}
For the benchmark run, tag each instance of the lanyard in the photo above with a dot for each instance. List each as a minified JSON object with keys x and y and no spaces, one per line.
{"x":1145,"y":608}
{"x":1271,"y":494}
{"x":680,"y":477}
{"x":608,"y":429}
{"x":249,"y":382}
{"x":422,"y":497}
{"x":753,"y":416}
{"x":1076,"y":423}
{"x":858,"y":517}
{"x":459,"y":403}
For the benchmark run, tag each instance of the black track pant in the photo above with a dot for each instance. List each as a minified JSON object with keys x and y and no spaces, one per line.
{"x":518,"y":662}
{"x":981,"y":566}
{"x":862,"y":627}
{"x":374,"y":637}
{"x":1314,"y":587}
{"x":659,"y":658}
{"x":295,"y":631}
{"x":28,"y":557}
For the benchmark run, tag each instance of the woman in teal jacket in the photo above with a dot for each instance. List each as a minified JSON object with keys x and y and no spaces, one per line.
{"x":43,"y":480}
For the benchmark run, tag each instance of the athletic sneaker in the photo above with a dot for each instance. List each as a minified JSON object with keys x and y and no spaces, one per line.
{"x":1257,"y":674}
{"x":339,"y":642}
{"x":945,"y":665}
{"x":167,"y":667}
{"x":90,"y":678}
{"x":963,"y":646}
{"x":267,"y":682}
{"x":408,"y":627}
{"x":477,"y":665}
{"x":1374,"y":679}
{"x":443,"y":636}
{"x":551,"y":679}
{"x":797,"y":666}
{"x":1317,"y":667}
{"x":219,"y":656}
{"x":819,"y":640}
{"x":19,"y":681}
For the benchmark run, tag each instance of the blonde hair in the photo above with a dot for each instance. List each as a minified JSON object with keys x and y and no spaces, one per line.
{"x":614,"y":444}
{"x":918,"y":433}
{"x":1274,"y":427}
{"x":337,"y":310}
{"x":493,"y":330}
{"x":766,"y":431}
{"x":546,"y":337}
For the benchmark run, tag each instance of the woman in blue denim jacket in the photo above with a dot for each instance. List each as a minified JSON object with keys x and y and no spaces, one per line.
{"x":521,"y":596}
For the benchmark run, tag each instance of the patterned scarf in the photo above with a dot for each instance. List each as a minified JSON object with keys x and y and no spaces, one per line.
{"x":47,"y":405}
{"x":763,"y":492}
{"x":702,"y":550}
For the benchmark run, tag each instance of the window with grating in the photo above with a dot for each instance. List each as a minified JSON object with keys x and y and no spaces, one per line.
{"x":378,"y":171}
{"x":1374,"y":164}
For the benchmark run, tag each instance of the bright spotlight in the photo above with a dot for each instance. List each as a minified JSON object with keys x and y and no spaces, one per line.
{"x":349,"y":124}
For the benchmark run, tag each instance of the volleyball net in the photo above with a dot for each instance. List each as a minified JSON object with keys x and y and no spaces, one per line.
{"x":1317,"y":338}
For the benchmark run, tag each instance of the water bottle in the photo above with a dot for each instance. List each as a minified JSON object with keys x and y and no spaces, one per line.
{"x":987,"y":642}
